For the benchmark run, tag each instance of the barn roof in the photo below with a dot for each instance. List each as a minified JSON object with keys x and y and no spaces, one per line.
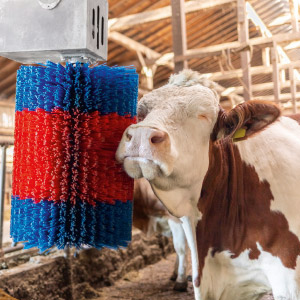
{"x":140,"y":34}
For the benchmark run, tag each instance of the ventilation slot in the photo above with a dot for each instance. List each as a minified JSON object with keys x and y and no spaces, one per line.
{"x":98,"y":26}
{"x":93,"y":23}
{"x":102,"y":31}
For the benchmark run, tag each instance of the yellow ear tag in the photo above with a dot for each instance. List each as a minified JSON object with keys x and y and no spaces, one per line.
{"x":240,"y":133}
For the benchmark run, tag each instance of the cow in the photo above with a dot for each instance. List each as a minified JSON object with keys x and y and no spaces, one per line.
{"x":232,"y":178}
{"x":151,"y":216}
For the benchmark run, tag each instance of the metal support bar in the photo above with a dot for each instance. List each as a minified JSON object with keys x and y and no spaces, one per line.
{"x":2,"y":190}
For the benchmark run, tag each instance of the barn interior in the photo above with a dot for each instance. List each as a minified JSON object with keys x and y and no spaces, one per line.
{"x":251,"y":49}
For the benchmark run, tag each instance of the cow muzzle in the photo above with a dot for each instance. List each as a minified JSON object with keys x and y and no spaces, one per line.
{"x":145,"y":152}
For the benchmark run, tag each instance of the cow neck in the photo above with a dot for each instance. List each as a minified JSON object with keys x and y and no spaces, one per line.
{"x":236,"y":214}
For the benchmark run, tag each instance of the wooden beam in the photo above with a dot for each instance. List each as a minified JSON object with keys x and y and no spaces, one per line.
{"x":253,"y":15}
{"x":261,"y":42}
{"x":259,"y":70}
{"x":243,"y":32}
{"x":6,"y":104}
{"x":215,"y":50}
{"x":161,"y":60}
{"x":287,"y":107}
{"x":293,"y":88}
{"x":11,"y":67}
{"x":10,"y":99}
{"x":7,"y":82}
{"x":9,"y":91}
{"x":294,"y":8}
{"x":292,"y":45}
{"x":257,"y":21}
{"x":179,"y":33}
{"x":257,"y":87}
{"x":3,"y":60}
{"x":7,"y":132}
{"x":281,"y":20}
{"x":232,"y":74}
{"x":275,"y":76}
{"x":8,"y":140}
{"x":133,"y":45}
{"x":286,"y":97}
{"x":163,"y":13}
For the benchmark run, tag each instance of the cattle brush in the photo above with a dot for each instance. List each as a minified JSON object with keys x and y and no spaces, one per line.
{"x":67,"y":188}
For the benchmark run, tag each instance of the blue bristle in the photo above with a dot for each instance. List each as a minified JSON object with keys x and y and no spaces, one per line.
{"x":19,"y":91}
{"x":103,"y":88}
{"x":40,"y":74}
{"x":83,"y":228}
{"x":46,"y":223}
{"x":88,"y":99}
{"x":32,"y":220}
{"x":62,"y":224}
{"x":59,"y":94}
{"x":45,"y":216}
{"x":91,"y":228}
{"x":53,"y":223}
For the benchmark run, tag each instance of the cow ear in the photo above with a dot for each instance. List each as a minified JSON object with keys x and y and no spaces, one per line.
{"x":246,"y":119}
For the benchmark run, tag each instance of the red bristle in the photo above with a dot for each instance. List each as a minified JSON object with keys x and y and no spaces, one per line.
{"x":70,"y":156}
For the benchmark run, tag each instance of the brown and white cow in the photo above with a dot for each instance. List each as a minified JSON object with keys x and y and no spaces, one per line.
{"x":232,"y":178}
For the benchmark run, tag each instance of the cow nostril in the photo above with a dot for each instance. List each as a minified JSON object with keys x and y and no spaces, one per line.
{"x":158,"y":138}
{"x":128,"y":136}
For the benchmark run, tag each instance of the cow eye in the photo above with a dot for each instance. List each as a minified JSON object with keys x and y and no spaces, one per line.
{"x":140,"y":118}
{"x":202,"y":117}
{"x":142,"y":113}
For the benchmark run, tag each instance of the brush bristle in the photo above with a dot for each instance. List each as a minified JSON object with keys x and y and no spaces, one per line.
{"x":67,"y":188}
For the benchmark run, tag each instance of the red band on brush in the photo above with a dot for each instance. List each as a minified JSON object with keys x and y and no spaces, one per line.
{"x":63,"y":155}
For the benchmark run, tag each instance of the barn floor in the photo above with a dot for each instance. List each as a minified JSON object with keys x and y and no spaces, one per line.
{"x":150,"y":283}
{"x":141,"y":271}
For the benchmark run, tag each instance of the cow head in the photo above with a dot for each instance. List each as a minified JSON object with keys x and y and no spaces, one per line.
{"x":169,"y":146}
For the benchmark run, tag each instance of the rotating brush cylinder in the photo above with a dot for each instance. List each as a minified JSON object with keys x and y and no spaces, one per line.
{"x":67,"y":187}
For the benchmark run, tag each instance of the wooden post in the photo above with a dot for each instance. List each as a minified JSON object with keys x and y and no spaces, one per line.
{"x":293,"y":89}
{"x":282,"y":76}
{"x":243,"y":31}
{"x":294,"y":14}
{"x":266,"y":56}
{"x":179,"y":33}
{"x":275,"y":72}
{"x":147,"y":73}
{"x":147,"y":78}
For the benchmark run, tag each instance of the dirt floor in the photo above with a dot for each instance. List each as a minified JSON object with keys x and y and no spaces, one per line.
{"x":52,"y":276}
{"x":150,"y":283}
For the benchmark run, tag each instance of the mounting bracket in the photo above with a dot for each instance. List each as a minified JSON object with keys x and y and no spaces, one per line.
{"x":49,"y":4}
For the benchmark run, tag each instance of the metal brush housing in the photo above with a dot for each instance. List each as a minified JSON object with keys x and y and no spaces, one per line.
{"x":36,"y":31}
